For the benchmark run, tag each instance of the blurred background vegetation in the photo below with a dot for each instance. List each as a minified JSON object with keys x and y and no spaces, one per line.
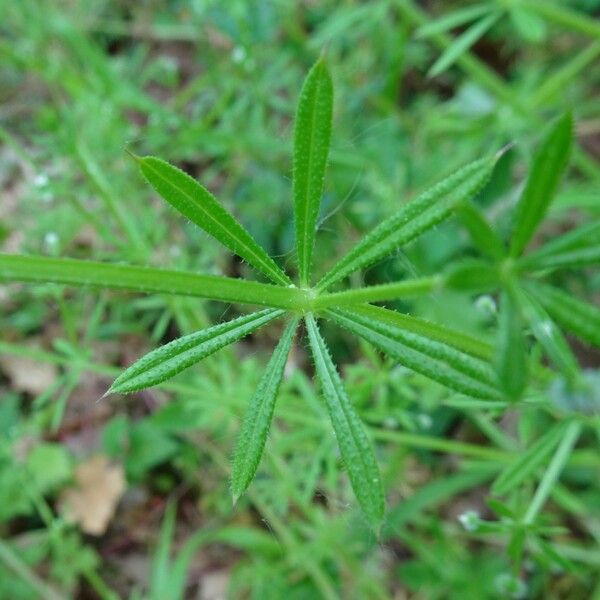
{"x":128,"y":497}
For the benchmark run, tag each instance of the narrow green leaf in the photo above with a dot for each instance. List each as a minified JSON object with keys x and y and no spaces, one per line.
{"x":511,"y":352}
{"x":578,"y":317}
{"x":166,"y":361}
{"x":578,"y":248}
{"x":413,"y":219}
{"x":87,"y":273}
{"x":377,"y":293}
{"x":530,"y":26}
{"x":196,"y":203}
{"x":352,"y":439}
{"x":483,"y":236}
{"x":454,"y":19}
{"x":312,"y":136}
{"x":526,"y":463}
{"x":438,"y":361}
{"x":451,"y":337}
{"x":461,"y":44}
{"x":253,"y":434}
{"x":546,"y":170}
{"x":472,"y":275}
{"x":549,"y":335}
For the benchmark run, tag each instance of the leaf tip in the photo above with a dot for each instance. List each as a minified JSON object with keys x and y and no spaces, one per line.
{"x":132,"y":154}
{"x":506,"y":148}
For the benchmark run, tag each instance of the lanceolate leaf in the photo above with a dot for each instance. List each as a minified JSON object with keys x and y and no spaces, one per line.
{"x":548,"y":335}
{"x":434,"y":359}
{"x":168,"y":360}
{"x":257,"y":421}
{"x":413,"y":219}
{"x":511,"y":353}
{"x":351,"y":436}
{"x":528,"y":461}
{"x":548,"y":166}
{"x":483,"y":236}
{"x":451,"y":337}
{"x":576,"y":316}
{"x":196,"y":203}
{"x":578,"y":248}
{"x":472,"y":274}
{"x":311,"y":146}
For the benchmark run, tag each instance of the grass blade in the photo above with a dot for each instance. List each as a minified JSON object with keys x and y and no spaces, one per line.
{"x":312,"y":136}
{"x":253,"y":434}
{"x":413,"y":219}
{"x":578,"y":317}
{"x":352,"y":439}
{"x":528,"y":462}
{"x":461,"y":44}
{"x":436,"y":360}
{"x":454,"y":19}
{"x":166,"y":361}
{"x":578,"y":248}
{"x":511,"y":352}
{"x":92,"y":274}
{"x":196,"y":203}
{"x":548,"y":166}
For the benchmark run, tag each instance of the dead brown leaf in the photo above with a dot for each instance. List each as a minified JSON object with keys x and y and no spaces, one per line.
{"x":93,"y":500}
{"x":28,"y":375}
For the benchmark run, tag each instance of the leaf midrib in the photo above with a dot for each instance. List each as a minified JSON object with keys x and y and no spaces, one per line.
{"x":347,"y":420}
{"x":268,"y":385}
{"x":276,"y":275}
{"x":305,"y":241}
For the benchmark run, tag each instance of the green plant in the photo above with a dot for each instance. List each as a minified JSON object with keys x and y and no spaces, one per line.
{"x":454,"y":359}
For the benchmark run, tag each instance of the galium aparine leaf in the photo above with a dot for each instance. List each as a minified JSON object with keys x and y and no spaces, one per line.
{"x":436,"y":360}
{"x":548,"y":166}
{"x":255,"y":427}
{"x":352,"y":438}
{"x":413,"y":219}
{"x":511,"y":352}
{"x":172,"y":358}
{"x":312,"y":136}
{"x":580,"y":318}
{"x":196,"y":203}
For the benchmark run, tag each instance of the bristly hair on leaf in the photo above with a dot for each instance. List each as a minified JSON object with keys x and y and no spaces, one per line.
{"x":312,"y":135}
{"x":253,"y":434}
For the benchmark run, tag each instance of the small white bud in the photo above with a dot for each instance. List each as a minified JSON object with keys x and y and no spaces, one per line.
{"x":40,"y":180}
{"x":469,"y":520}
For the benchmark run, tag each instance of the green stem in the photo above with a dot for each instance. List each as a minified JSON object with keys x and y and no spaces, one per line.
{"x":83,"y":273}
{"x":553,"y":471}
{"x":378,"y":293}
{"x":116,"y":208}
{"x":22,"y":570}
